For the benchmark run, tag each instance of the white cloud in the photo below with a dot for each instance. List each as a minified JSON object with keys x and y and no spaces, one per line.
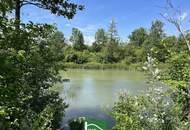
{"x":89,"y":32}
{"x":165,"y":15}
{"x":183,"y":16}
{"x":89,"y":40}
{"x":88,"y":29}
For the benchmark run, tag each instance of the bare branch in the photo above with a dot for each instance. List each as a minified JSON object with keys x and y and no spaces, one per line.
{"x":173,"y":16}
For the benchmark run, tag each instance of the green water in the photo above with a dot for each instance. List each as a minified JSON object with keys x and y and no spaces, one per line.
{"x":91,"y":91}
{"x":95,"y":88}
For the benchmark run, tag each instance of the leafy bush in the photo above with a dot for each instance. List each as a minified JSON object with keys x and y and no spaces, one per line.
{"x":29,"y":64}
{"x":77,"y":124}
{"x":151,"y":111}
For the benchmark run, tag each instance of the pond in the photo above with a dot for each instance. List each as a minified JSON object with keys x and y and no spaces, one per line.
{"x":90,"y":92}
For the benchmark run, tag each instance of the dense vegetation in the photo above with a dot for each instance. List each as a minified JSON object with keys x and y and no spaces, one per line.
{"x":30,"y":60}
{"x":108,"y":51}
{"x":31,"y":56}
{"x":160,"y":108}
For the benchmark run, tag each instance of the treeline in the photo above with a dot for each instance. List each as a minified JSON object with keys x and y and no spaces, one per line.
{"x":109,"y":49}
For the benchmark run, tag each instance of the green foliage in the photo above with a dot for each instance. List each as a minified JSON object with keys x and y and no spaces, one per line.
{"x":112,"y":31}
{"x":109,"y":49}
{"x":125,"y":112}
{"x":181,"y":44}
{"x":179,"y":69}
{"x":77,"y":57}
{"x":150,"y":111}
{"x":29,"y":66}
{"x":5,"y":7}
{"x":100,"y":36}
{"x":96,"y":47}
{"x":159,"y":108}
{"x":156,"y":31}
{"x":58,"y":7}
{"x":177,"y":76}
{"x":108,"y":54}
{"x":77,"y":39}
{"x":92,"y":65}
{"x":138,"y":36}
{"x":77,"y":124}
{"x":153,"y":44}
{"x":31,"y":56}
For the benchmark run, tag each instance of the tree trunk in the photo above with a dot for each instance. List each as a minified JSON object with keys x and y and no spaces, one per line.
{"x":188,"y":44}
{"x":17,"y":14}
{"x":184,"y":37}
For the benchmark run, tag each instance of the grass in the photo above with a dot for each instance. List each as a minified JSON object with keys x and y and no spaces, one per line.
{"x":99,"y":66}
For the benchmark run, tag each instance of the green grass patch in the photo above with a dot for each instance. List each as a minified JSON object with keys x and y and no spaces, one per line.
{"x":99,"y":66}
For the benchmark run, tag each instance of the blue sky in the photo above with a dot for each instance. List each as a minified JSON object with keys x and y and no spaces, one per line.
{"x":129,"y":15}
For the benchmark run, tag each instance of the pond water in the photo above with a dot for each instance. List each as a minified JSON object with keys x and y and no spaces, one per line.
{"x":90,"y":92}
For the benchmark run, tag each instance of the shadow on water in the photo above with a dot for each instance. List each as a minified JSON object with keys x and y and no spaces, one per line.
{"x":95,"y":113}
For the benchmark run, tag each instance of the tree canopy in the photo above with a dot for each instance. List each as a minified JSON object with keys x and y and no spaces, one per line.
{"x":77,"y":39}
{"x":138,"y":36}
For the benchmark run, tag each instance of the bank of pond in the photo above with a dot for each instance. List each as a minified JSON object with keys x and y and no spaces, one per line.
{"x":99,"y":66}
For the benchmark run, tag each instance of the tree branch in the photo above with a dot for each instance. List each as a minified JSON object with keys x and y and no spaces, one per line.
{"x":31,"y":3}
{"x":175,"y":20}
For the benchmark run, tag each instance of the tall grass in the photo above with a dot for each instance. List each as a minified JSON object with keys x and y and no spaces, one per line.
{"x":99,"y":66}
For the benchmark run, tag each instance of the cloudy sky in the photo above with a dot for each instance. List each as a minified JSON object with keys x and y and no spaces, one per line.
{"x":129,"y":15}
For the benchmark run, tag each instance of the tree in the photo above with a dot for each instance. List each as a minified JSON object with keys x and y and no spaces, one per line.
{"x":111,"y":46}
{"x":5,"y":6}
{"x":57,"y":7}
{"x":112,"y":31}
{"x":178,"y":73}
{"x":147,"y":112}
{"x":29,"y":68}
{"x":31,"y":57}
{"x":177,"y":77}
{"x":96,"y":47}
{"x":77,"y":39}
{"x":58,"y":38}
{"x":153,"y":44}
{"x":170,"y":44}
{"x":100,"y":36}
{"x":100,"y":40}
{"x":138,"y":36}
{"x":156,"y":31}
{"x":174,"y":16}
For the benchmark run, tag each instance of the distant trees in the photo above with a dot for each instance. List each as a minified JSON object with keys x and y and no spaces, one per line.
{"x":153,"y":44}
{"x":100,"y":36}
{"x":112,"y":31}
{"x":111,"y":46}
{"x":138,"y":36}
{"x":156,"y":30}
{"x":100,"y":40}
{"x":107,"y":47}
{"x":77,"y":39}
